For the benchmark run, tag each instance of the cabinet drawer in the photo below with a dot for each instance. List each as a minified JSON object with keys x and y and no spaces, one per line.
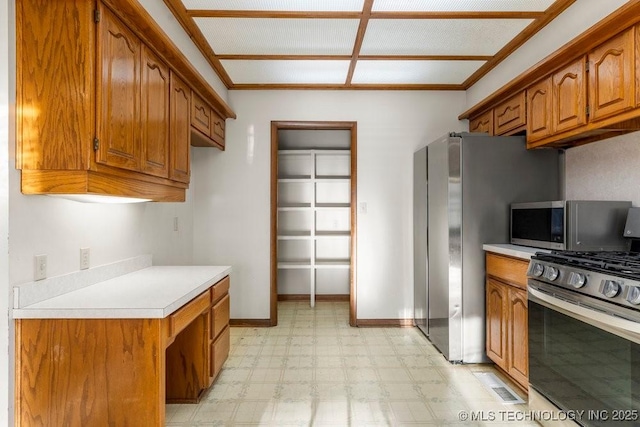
{"x":220,"y":317}
{"x":200,"y":114}
{"x":510,"y":270}
{"x":220,"y":289}
{"x":510,"y":114}
{"x":219,"y":352}
{"x":185,"y":315}
{"x":483,"y":123}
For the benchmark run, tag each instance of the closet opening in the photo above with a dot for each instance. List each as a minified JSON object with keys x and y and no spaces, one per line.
{"x":313,"y":213}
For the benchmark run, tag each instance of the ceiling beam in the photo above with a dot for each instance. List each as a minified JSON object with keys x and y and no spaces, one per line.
{"x":362,"y":28}
{"x":190,"y":27}
{"x":205,"y":13}
{"x":246,"y":57}
{"x":549,"y":15}
{"x":289,"y":86}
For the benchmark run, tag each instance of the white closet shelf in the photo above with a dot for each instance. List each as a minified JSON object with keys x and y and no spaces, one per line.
{"x":294,"y":235}
{"x":291,"y":265}
{"x":332,"y":178}
{"x":332,"y":205}
{"x":333,"y":263}
{"x":284,"y":206}
{"x":341,"y":233}
{"x":294,"y":178}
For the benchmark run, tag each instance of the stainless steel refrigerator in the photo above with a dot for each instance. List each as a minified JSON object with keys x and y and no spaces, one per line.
{"x":463,"y":186}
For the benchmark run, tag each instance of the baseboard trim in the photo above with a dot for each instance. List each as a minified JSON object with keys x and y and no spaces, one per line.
{"x":250,"y":323}
{"x":319,"y":297}
{"x":386,"y":323}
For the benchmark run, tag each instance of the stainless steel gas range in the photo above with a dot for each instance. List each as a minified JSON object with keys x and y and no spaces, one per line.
{"x":584,"y":336}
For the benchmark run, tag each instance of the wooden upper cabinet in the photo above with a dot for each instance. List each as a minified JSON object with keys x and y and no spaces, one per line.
{"x":209,"y":124}
{"x":510,"y":114}
{"x":55,"y":96}
{"x":180,"y":129}
{"x":155,"y":115}
{"x":119,"y":61}
{"x":482,"y":123}
{"x":611,"y":76}
{"x":638,"y":65}
{"x":539,"y":116}
{"x":570,"y":96}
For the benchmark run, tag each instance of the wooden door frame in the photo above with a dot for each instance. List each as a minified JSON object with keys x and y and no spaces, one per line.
{"x":304,"y":125}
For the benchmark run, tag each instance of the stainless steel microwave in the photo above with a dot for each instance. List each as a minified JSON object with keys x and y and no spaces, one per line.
{"x":575,"y":225}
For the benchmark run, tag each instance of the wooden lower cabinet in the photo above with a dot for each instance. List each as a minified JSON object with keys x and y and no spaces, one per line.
{"x":506,"y":311}
{"x":120,"y":372}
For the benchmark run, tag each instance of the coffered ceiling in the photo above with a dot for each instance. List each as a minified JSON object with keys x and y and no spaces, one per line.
{"x":360,"y":44}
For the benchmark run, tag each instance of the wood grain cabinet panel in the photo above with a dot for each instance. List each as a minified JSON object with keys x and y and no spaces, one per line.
{"x":220,"y":351}
{"x":539,"y":115}
{"x":217,"y":130}
{"x":55,"y":96}
{"x":612,"y":77}
{"x":510,"y":115}
{"x":507,"y":314}
{"x":180,"y":130}
{"x":518,"y":338}
{"x":200,"y":114}
{"x":570,"y":96}
{"x":482,"y":123}
{"x":154,"y":115}
{"x":119,"y":61}
{"x":638,"y":65}
{"x":497,"y":323}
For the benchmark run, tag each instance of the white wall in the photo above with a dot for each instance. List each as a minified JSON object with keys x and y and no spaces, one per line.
{"x":232,"y":196}
{"x":5,"y":70}
{"x":605,"y":170}
{"x":572,"y":22}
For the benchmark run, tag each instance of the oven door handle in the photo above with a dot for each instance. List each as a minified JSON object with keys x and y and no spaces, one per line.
{"x":616,"y":325}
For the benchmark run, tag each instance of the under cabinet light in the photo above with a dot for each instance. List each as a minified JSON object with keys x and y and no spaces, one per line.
{"x":97,"y":198}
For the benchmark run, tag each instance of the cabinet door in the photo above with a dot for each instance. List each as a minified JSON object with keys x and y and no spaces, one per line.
{"x":217,"y":129}
{"x":497,"y":311}
{"x":200,"y":114}
{"x":510,"y":114}
{"x":118,"y":120}
{"x":611,"y":77}
{"x":518,"y":338}
{"x":539,"y":117}
{"x":483,"y":123}
{"x":638,"y":65}
{"x":570,"y":96}
{"x":180,"y":129}
{"x":154,"y":115}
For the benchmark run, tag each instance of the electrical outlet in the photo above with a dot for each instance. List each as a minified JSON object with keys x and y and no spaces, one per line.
{"x":85,"y":259}
{"x":175,"y":223}
{"x":362,"y":207}
{"x":40,"y":267}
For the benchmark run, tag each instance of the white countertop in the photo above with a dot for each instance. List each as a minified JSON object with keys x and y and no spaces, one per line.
{"x":153,"y":292}
{"x":516,"y":251}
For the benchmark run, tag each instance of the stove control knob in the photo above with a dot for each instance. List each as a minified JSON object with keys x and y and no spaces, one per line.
{"x":633,"y":296}
{"x":537,"y":269}
{"x":610,"y":288}
{"x":577,"y":280}
{"x":551,"y":273}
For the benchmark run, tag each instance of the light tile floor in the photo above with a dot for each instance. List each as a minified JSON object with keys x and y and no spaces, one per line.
{"x":313,"y":369}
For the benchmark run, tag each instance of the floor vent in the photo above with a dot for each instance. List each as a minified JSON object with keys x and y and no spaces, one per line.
{"x":498,"y":388}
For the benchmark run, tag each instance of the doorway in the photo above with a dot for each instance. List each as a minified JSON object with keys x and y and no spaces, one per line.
{"x":313,"y":213}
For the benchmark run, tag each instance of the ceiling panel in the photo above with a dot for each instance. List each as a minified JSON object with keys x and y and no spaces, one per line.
{"x":439,"y":36}
{"x":270,"y":36}
{"x":461,"y":5}
{"x":414,"y":72}
{"x":415,"y":44}
{"x":283,"y":71}
{"x":279,"y":5}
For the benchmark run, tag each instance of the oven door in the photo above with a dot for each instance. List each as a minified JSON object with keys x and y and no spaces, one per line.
{"x":584,"y":355}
